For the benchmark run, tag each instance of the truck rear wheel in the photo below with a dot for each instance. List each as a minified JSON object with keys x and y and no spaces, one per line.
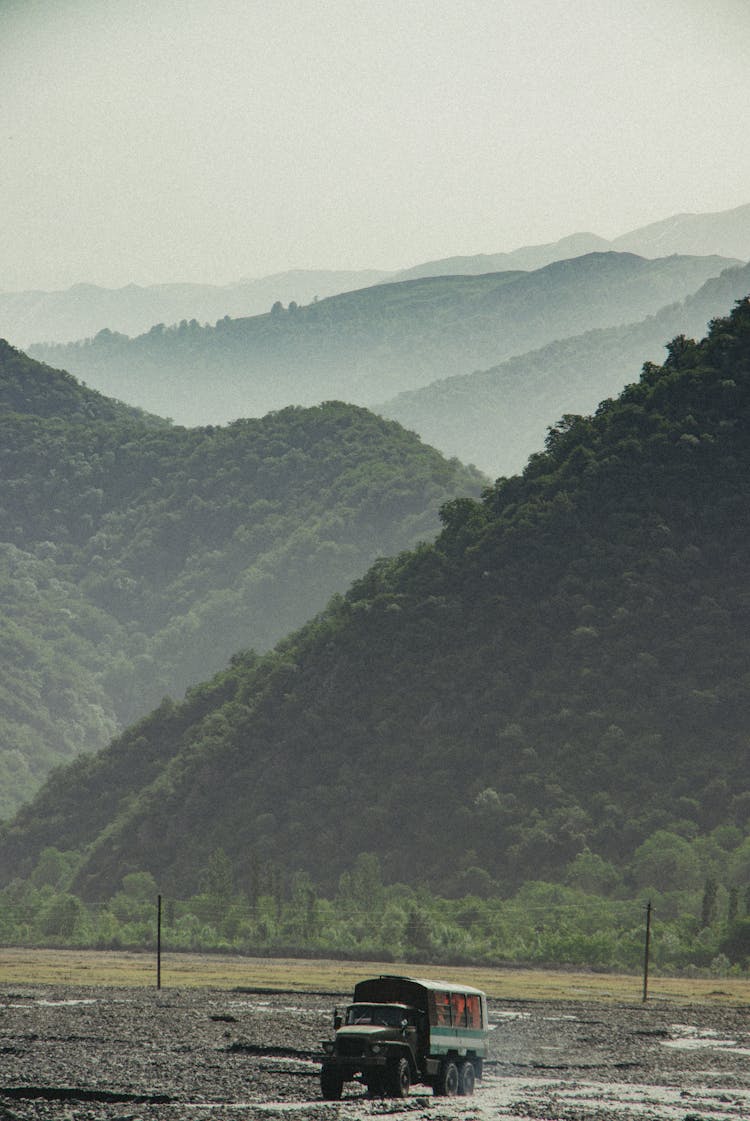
{"x":331,"y":1084}
{"x":399,"y":1079}
{"x":446,"y":1084}
{"x":466,"y":1078}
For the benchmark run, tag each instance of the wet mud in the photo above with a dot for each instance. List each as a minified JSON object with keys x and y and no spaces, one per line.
{"x":127,"y":1054}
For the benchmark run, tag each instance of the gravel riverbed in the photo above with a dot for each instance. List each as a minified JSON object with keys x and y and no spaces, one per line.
{"x":127,"y":1054}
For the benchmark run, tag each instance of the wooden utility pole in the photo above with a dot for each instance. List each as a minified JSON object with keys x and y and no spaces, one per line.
{"x":647,"y":951}
{"x":158,"y":941}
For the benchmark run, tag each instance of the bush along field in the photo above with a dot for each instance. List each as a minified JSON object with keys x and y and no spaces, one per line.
{"x":594,"y":920}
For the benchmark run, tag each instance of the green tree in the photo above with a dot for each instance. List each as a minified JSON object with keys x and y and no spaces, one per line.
{"x":62,"y":916}
{"x":708,"y":904}
{"x":218,"y":878}
{"x":666,"y":862}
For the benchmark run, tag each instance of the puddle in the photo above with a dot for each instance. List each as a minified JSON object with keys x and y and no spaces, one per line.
{"x":267,"y":1006}
{"x":65,"y":1003}
{"x":685,"y":1037}
{"x":53,"y":1003}
{"x":553,"y":1098}
{"x":272,"y":1061}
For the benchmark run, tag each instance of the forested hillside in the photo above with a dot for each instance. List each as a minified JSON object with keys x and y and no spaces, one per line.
{"x":365,"y":346}
{"x":136,"y":558}
{"x":563,"y":671}
{"x":28,"y":386}
{"x":496,"y":418}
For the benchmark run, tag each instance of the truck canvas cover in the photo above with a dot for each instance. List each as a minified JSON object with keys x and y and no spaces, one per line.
{"x":457,"y":1014}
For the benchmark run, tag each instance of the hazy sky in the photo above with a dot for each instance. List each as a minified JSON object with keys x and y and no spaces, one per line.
{"x":204,"y":140}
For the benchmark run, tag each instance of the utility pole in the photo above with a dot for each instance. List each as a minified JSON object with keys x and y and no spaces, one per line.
{"x":158,"y":941}
{"x":646,"y":952}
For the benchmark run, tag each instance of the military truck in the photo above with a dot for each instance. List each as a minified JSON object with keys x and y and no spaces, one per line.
{"x":400,"y":1030}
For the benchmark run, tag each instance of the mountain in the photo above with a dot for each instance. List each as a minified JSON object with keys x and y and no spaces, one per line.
{"x":563,"y":670}
{"x":726,"y":232}
{"x":368,"y":345}
{"x":529,"y":258}
{"x":496,"y":418}
{"x":85,"y":309}
{"x":136,"y":558}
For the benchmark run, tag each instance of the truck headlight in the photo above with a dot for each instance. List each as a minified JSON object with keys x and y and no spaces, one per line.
{"x":328,"y":1047}
{"x":375,"y":1048}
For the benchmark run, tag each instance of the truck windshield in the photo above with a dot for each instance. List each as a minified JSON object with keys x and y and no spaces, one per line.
{"x":385,"y":1015}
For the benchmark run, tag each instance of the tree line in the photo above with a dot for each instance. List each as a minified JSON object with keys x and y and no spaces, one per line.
{"x":696,"y":930}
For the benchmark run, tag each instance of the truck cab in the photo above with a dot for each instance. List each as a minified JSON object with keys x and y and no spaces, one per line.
{"x":400,"y":1030}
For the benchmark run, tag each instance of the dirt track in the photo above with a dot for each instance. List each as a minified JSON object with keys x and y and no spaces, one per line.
{"x":135,"y":1053}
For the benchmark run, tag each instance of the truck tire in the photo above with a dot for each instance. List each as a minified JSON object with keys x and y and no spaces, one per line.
{"x":331,"y":1084}
{"x":446,"y":1083}
{"x":399,"y":1078}
{"x":466,"y":1079}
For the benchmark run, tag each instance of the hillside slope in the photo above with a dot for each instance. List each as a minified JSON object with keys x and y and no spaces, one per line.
{"x":367,"y":345}
{"x":27,"y":386}
{"x":136,"y":558}
{"x":566,"y":667}
{"x":496,"y":418}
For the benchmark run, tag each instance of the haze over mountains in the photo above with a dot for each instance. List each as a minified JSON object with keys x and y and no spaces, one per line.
{"x":136,"y":559}
{"x":563,"y":671}
{"x":85,"y":309}
{"x":496,"y":418}
{"x":139,"y":557}
{"x":241,"y":663}
{"x":368,"y":345}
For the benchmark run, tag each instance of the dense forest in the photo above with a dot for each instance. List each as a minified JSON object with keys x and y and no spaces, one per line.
{"x":594,"y":919}
{"x":368,"y":345}
{"x":136,"y":557}
{"x":555,"y":689}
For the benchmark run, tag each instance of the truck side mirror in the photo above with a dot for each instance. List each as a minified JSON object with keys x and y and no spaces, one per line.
{"x":337,"y":1019}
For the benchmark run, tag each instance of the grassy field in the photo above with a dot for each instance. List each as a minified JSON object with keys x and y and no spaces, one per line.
{"x":89,"y":967}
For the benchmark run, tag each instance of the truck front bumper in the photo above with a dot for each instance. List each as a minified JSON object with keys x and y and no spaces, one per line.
{"x":350,"y":1065}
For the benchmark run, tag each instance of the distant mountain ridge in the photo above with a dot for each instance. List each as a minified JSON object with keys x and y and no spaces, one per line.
{"x":692,"y":233}
{"x":724,"y":233}
{"x":367,"y":345}
{"x":85,"y":309}
{"x":496,"y":418}
{"x":528,"y":258}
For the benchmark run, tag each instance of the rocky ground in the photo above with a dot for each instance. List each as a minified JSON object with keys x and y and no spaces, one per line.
{"x":129,"y":1054}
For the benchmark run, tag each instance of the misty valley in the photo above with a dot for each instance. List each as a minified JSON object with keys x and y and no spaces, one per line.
{"x":394,"y":616}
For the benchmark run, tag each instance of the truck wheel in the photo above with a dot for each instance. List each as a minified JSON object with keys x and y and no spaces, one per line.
{"x":466,"y":1079}
{"x":446,"y":1085}
{"x":331,"y":1084}
{"x":399,"y":1079}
